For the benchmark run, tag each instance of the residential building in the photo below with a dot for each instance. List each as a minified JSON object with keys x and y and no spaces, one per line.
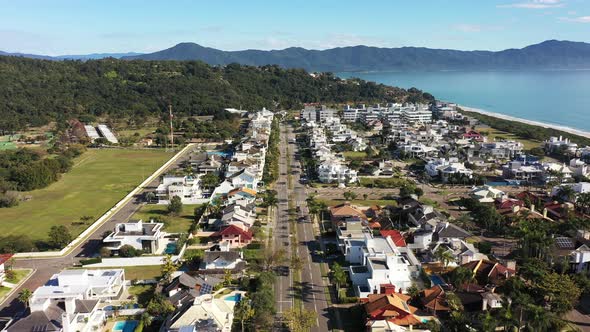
{"x":3,"y":259}
{"x":219,"y":257}
{"x":185,"y":288}
{"x":147,"y":237}
{"x":486,"y":194}
{"x":69,"y":301}
{"x":389,"y":311}
{"x":234,"y":235}
{"x":444,"y":169}
{"x":186,"y":187}
{"x":416,"y":114}
{"x":501,"y":149}
{"x":330,"y":172}
{"x":555,"y":144}
{"x":206,"y":313}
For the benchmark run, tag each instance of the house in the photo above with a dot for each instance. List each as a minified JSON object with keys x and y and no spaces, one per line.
{"x":3,"y":259}
{"x":70,"y":300}
{"x":234,"y":235}
{"x":396,"y":236}
{"x":501,"y":149}
{"x":206,"y":313}
{"x":579,"y":259}
{"x":473,"y":135}
{"x":391,"y":307}
{"x":219,"y":257}
{"x":556,"y":144}
{"x":486,"y":194}
{"x":434,"y":300}
{"x":383,"y":263}
{"x":186,"y":287}
{"x":186,"y":187}
{"x":333,"y":171}
{"x":486,"y":271}
{"x":445,"y":169}
{"x":237,"y":195}
{"x":577,"y":188}
{"x":340,"y":213}
{"x":579,"y":168}
{"x":555,"y":172}
{"x":244,"y":179}
{"x":213,"y":164}
{"x":147,"y":237}
{"x":386,"y":168}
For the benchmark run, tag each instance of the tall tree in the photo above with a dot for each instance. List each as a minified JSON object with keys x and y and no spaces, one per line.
{"x":24,"y":296}
{"x":59,"y":236}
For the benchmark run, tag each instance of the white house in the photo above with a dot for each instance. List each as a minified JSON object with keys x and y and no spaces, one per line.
{"x":330,"y":172}
{"x":554,"y":170}
{"x":205,"y":314}
{"x":486,"y":194}
{"x":69,"y":301}
{"x":444,"y":168}
{"x":578,"y":188}
{"x":140,"y":235}
{"x":186,"y":187}
{"x":244,"y":179}
{"x":219,"y":257}
{"x":383,"y":263}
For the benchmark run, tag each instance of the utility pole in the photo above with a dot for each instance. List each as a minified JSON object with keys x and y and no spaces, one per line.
{"x":171,"y":128}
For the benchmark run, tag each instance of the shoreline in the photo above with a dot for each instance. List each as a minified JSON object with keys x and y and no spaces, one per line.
{"x":566,"y":129}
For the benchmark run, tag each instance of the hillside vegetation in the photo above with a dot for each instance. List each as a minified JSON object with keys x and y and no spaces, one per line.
{"x":34,"y":92}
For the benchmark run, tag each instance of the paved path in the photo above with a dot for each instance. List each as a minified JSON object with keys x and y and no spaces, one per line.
{"x":47,"y":267}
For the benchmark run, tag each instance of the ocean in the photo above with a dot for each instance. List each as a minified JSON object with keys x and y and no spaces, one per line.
{"x":553,"y":97}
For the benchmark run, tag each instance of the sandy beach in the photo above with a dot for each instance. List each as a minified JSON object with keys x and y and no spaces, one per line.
{"x":530,"y":122}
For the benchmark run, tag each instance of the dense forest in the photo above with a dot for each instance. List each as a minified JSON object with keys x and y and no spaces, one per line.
{"x":34,"y":92}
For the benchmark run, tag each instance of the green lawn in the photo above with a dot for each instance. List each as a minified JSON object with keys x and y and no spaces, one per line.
{"x":354,"y":155}
{"x":144,"y":293}
{"x":140,"y":272}
{"x":174,"y":224}
{"x":4,"y":291}
{"x":19,"y":274}
{"x":98,"y":180}
{"x":495,"y":134}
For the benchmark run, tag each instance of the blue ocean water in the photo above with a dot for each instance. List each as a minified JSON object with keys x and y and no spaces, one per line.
{"x":553,"y":97}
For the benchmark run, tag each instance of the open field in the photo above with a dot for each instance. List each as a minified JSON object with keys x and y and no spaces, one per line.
{"x":495,"y":134}
{"x":175,"y":224}
{"x":354,"y":155}
{"x":360,"y":202}
{"x":98,"y":180}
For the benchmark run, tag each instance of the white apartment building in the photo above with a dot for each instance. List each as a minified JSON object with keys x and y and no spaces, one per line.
{"x":331,"y":171}
{"x":186,"y":187}
{"x":416,"y":114}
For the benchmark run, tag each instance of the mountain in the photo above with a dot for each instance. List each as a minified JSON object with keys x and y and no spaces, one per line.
{"x":92,"y":56}
{"x":551,"y":54}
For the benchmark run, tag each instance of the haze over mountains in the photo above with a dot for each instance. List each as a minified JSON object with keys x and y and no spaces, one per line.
{"x":551,"y":54}
{"x":73,"y":57}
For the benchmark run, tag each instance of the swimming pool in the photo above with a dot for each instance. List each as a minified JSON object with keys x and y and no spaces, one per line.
{"x":234,"y":298}
{"x":125,"y":326}
{"x":437,"y":280}
{"x":170,"y":248}
{"x":224,"y":154}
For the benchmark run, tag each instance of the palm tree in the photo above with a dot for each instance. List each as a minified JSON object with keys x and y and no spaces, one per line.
{"x":338,"y":276}
{"x":444,"y":255}
{"x":566,"y":192}
{"x":24,"y":296}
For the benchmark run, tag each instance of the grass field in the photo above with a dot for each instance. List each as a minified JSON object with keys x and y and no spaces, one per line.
{"x":495,"y":134}
{"x":354,"y":155}
{"x":175,"y":224}
{"x":98,"y":180}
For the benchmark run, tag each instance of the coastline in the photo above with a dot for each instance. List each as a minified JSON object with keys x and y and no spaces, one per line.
{"x":566,"y":129}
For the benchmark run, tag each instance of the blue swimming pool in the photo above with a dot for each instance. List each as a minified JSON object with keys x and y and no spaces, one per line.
{"x":437,"y":280}
{"x":170,"y":248}
{"x":234,"y":298}
{"x":125,"y":326}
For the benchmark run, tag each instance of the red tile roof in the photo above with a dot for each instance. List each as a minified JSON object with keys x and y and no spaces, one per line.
{"x":234,"y":230}
{"x":5,"y":257}
{"x":396,"y":237}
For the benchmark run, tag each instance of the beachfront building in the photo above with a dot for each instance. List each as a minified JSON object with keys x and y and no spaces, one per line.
{"x":556,"y":144}
{"x":416,"y":114}
{"x":501,"y":149}
{"x":147,"y":237}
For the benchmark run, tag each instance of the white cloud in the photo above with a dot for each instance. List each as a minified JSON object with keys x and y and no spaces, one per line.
{"x":579,"y":19}
{"x":535,"y":4}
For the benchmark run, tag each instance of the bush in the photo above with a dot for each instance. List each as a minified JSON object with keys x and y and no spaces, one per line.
{"x":349,"y":299}
{"x":254,"y":245}
{"x":129,"y":251}
{"x":91,"y":261}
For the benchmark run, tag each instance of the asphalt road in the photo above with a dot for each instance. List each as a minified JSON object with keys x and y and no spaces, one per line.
{"x":44,"y":268}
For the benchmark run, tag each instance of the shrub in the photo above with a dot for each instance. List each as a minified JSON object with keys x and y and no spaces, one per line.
{"x":91,"y":261}
{"x":129,"y":251}
{"x":349,"y":299}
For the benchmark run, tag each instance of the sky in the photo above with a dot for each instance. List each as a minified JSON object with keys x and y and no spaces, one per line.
{"x":58,"y":27}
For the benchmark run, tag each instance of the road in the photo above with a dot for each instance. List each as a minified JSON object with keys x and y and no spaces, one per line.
{"x":44,"y":268}
{"x":311,"y":289}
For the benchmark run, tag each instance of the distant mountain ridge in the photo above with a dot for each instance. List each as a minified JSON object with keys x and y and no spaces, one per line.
{"x":91,"y":56}
{"x":551,"y":54}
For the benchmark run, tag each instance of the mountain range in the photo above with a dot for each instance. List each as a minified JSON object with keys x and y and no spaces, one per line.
{"x":550,"y":54}
{"x":92,"y":56}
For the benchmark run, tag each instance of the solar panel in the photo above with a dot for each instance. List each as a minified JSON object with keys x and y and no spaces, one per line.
{"x":206,"y":289}
{"x":564,"y":242}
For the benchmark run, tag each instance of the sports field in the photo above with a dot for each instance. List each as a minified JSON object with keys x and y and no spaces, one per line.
{"x":98,"y":180}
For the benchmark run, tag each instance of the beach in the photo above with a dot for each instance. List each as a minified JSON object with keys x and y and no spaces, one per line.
{"x":566,"y":129}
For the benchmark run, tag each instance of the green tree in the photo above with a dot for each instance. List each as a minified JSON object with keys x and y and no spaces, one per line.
{"x":175,"y":206}
{"x":210,"y":180}
{"x":444,"y":255}
{"x":227,"y":278}
{"x":560,"y":292}
{"x":460,"y":276}
{"x":300,"y":320}
{"x":243,"y":312}
{"x":349,"y":195}
{"x":159,"y":306}
{"x":24,"y":296}
{"x":59,"y":236}
{"x":168,"y":268}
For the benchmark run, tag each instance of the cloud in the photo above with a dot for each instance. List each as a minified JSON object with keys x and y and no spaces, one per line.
{"x":579,"y":19}
{"x":535,"y":4}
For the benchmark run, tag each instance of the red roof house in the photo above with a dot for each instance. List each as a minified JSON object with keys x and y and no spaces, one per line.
{"x":396,"y":236}
{"x":236,"y":236}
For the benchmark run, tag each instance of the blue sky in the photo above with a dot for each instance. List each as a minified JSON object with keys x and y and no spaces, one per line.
{"x":77,"y":27}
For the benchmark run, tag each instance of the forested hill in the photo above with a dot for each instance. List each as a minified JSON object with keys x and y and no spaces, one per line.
{"x":551,"y":54}
{"x":34,"y":92}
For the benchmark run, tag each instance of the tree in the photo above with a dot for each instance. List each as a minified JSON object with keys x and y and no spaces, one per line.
{"x":560,"y":292}
{"x":24,"y":296}
{"x":296,"y":263}
{"x":566,"y":193}
{"x":406,"y":191}
{"x":175,"y":206}
{"x":168,"y":268}
{"x":418,"y":192}
{"x":210,"y":180}
{"x":270,"y":198}
{"x":300,"y":320}
{"x":338,"y":276}
{"x":159,"y":306}
{"x":129,"y":251}
{"x":444,"y":255}
{"x":227,"y":278}
{"x":349,"y":195}
{"x":460,"y":276}
{"x":273,"y":259}
{"x":243,"y":312}
{"x":59,"y":236}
